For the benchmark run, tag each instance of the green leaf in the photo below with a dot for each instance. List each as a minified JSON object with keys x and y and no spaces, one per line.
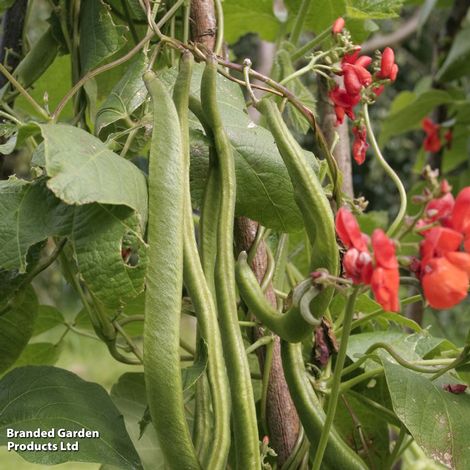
{"x":39,"y":354}
{"x":321,"y":14}
{"x":371,"y":220}
{"x":48,"y":318}
{"x":458,"y":152}
{"x":374,"y":429}
{"x":409,"y":347}
{"x":30,"y":213}
{"x":437,"y":419}
{"x":126,"y":96}
{"x":373,"y":9}
{"x":83,"y":170}
{"x":99,"y":234}
{"x":16,"y":327}
{"x":457,"y":63}
{"x":48,"y":397}
{"x":130,"y":397}
{"x":264,"y":190}
{"x":54,"y":83}
{"x":409,"y":116}
{"x":100,"y":38}
{"x":245,"y":16}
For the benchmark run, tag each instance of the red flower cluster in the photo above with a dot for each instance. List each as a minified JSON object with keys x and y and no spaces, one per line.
{"x":380,"y":271}
{"x":445,"y":250}
{"x":432,"y":142}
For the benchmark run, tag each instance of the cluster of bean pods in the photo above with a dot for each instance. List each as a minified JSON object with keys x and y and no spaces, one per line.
{"x":225,"y":406}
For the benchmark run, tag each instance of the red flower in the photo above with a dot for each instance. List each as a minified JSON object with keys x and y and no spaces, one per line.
{"x":432,"y":142}
{"x":348,"y":230}
{"x":382,"y":275}
{"x":343,"y":103}
{"x":385,"y":284}
{"x":338,"y":25}
{"x":360,"y":144}
{"x":440,"y":209}
{"x":445,"y":270}
{"x":388,"y":68}
{"x":444,"y":284}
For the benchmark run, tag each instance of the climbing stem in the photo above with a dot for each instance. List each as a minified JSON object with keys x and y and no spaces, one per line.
{"x":389,"y":170}
{"x":335,"y":389}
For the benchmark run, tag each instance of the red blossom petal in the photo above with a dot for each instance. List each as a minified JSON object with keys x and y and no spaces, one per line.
{"x":440,"y":208}
{"x":387,"y":63}
{"x":363,"y":61}
{"x":384,"y":250}
{"x":351,"y":81}
{"x":440,"y":240}
{"x":348,"y":230}
{"x":461,"y":212}
{"x":385,"y":284}
{"x":444,"y":284}
{"x":360,"y":144}
{"x":459,"y":259}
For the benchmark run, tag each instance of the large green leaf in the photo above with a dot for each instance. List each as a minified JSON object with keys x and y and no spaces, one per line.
{"x":83,"y":170}
{"x":264,"y":190}
{"x":35,"y":354}
{"x":16,"y":327}
{"x":126,"y":96}
{"x":52,"y":398}
{"x":437,"y":419}
{"x":48,"y":318}
{"x":411,"y":111}
{"x":457,"y":63}
{"x":246,"y":16}
{"x":100,"y":38}
{"x":130,"y":397}
{"x":409,"y":347}
{"x":29,"y":213}
{"x":99,"y":234}
{"x":373,"y":9}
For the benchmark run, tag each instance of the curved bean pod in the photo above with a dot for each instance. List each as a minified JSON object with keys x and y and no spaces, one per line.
{"x":164,"y":282}
{"x":244,"y":415}
{"x":311,"y":199}
{"x":214,"y":456}
{"x":290,"y":326}
{"x":337,"y":454}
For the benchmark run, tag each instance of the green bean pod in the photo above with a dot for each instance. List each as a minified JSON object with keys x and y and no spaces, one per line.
{"x":311,"y":199}
{"x":38,"y":59}
{"x":215,"y":450}
{"x":164,"y":281}
{"x":243,"y":405}
{"x":337,"y":454}
{"x":290,"y":326}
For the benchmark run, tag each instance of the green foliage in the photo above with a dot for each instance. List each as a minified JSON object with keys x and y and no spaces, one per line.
{"x":439,"y":422}
{"x":100,"y":38}
{"x":128,"y":394}
{"x":16,"y":327}
{"x":76,"y":404}
{"x":373,"y":9}
{"x":410,"y":109}
{"x":246,"y":16}
{"x":457,"y":62}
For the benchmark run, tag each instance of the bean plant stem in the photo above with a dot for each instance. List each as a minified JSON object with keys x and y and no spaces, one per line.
{"x":335,"y":389}
{"x":390,"y":172}
{"x":23,"y":92}
{"x":219,"y":41}
{"x":299,"y":21}
{"x":311,"y":44}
